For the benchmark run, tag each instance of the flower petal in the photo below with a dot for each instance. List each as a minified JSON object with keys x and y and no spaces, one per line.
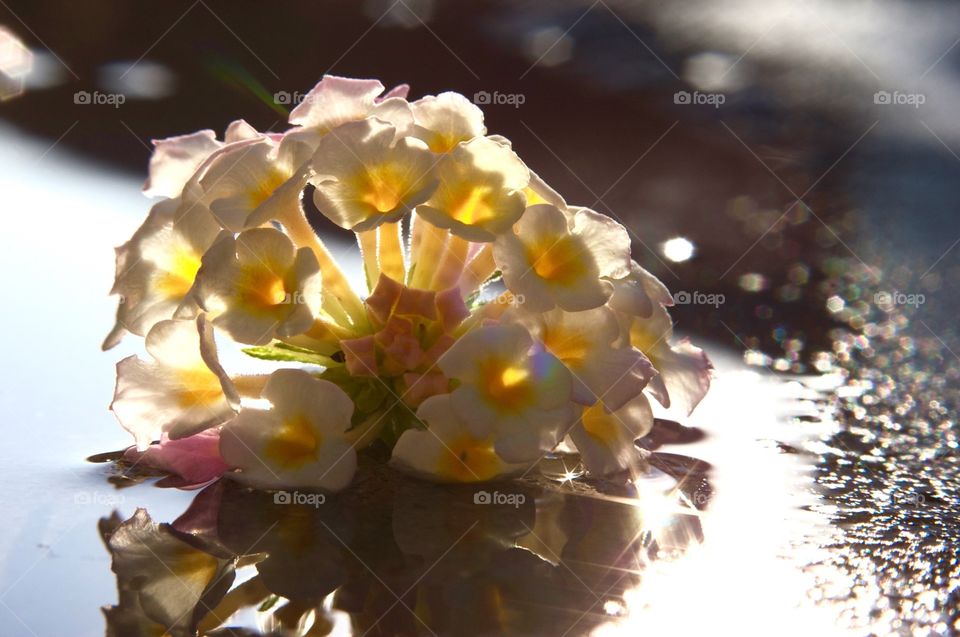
{"x":445,"y":120}
{"x":195,"y":459}
{"x":480,"y":194}
{"x":365,"y":179}
{"x":175,"y":160}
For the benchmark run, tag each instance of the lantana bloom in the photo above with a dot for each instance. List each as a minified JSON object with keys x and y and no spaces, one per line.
{"x":299,"y":442}
{"x":492,"y":322}
{"x":182,"y":391}
{"x":258,"y":285}
{"x":556,"y":259}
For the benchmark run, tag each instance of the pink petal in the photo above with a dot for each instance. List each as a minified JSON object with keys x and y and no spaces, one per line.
{"x":361,"y":356}
{"x":175,"y":160}
{"x":418,"y":387}
{"x":195,"y":459}
{"x":417,"y":302}
{"x":404,"y":352}
{"x":335,"y":100}
{"x":400,"y":90}
{"x":442,"y":344}
{"x":381,"y":302}
{"x":451,"y":308}
{"x":202,"y":515}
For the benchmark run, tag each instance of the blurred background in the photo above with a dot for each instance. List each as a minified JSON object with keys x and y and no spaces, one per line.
{"x":789,"y":168}
{"x":768,"y":135}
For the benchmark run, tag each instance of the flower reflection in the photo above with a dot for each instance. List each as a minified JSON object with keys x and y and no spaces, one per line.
{"x":394,"y":556}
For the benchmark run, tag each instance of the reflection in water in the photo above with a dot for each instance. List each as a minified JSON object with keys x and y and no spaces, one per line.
{"x":395,"y":557}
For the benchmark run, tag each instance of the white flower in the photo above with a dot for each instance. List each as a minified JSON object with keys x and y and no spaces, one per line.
{"x":367,"y":177}
{"x":157,"y":267}
{"x":539,"y":192}
{"x":177,"y":160}
{"x":241,"y":178}
{"x":606,"y":439}
{"x":162,"y":576}
{"x":480,"y":194}
{"x":183,"y":391}
{"x":684,"y":370}
{"x":338,"y":100}
{"x":639,"y":293}
{"x":445,"y":120}
{"x":448,"y":452}
{"x":588,"y":343}
{"x":552,"y":263}
{"x":520,"y":396}
{"x":259,"y":285}
{"x":300,"y":442}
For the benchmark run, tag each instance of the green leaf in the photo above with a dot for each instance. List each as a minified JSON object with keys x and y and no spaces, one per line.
{"x":292,"y":353}
{"x":399,"y":419}
{"x":369,"y":398}
{"x":268,"y":603}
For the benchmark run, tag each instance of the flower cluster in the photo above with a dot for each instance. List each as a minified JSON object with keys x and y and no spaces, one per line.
{"x":496,"y":322}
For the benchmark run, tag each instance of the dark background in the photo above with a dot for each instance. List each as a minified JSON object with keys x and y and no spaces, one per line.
{"x":598,"y":121}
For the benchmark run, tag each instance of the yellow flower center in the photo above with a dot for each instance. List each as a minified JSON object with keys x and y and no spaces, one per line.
{"x":472,"y":204}
{"x":506,"y":386}
{"x":201,"y":388}
{"x":600,"y":424}
{"x":645,"y":341}
{"x":558,"y":260}
{"x":382,"y":186}
{"x":467,"y":459}
{"x":261,"y":190}
{"x":261,"y":288}
{"x":532,"y":197}
{"x":569,"y":346}
{"x":294,"y":445}
{"x":194,"y":568}
{"x":442,"y":142}
{"x":175,"y":282}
